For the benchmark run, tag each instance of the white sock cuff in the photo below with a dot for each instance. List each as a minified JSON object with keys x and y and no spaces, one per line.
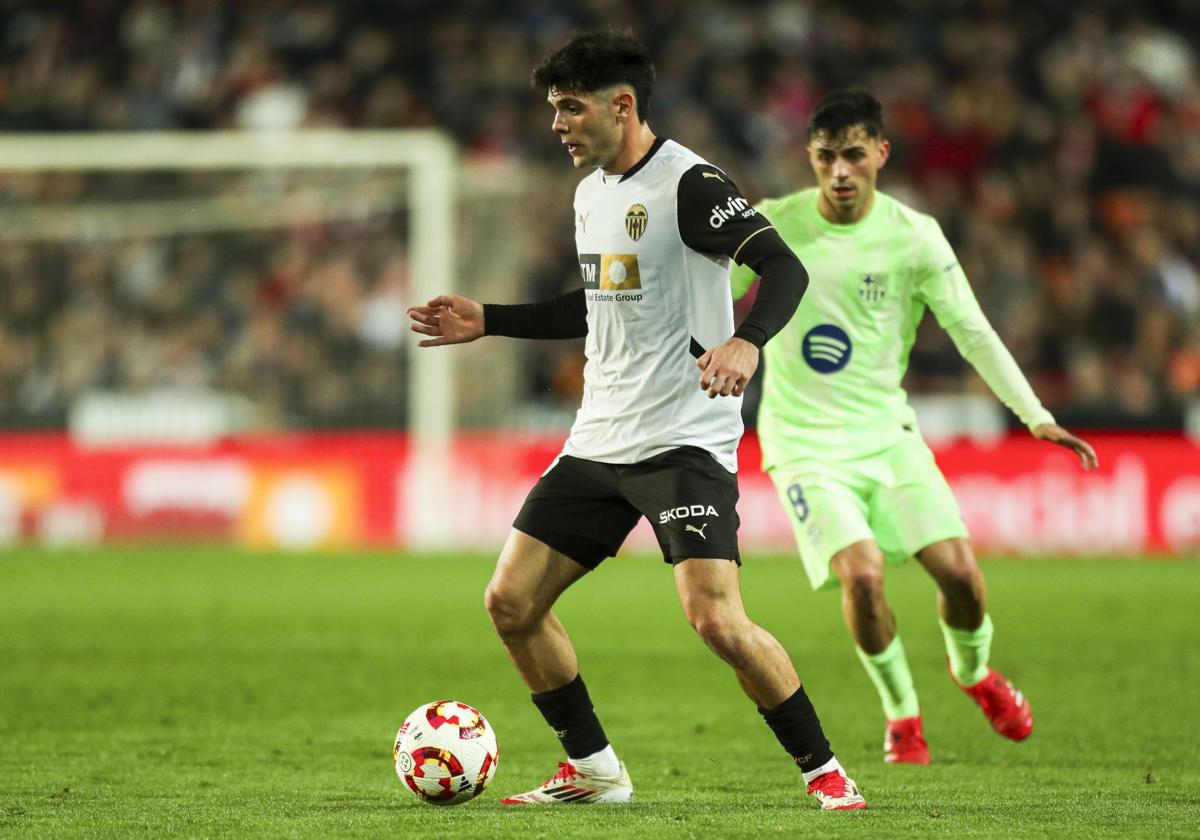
{"x":603,"y":764}
{"x":831,"y":764}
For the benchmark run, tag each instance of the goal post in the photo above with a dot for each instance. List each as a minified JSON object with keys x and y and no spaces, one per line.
{"x":430,"y":161}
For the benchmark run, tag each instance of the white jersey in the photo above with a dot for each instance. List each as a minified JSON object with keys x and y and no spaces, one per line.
{"x":654,"y":249}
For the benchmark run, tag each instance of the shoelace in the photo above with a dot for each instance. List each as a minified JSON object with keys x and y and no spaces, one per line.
{"x":566,"y":772}
{"x":1003,"y":694}
{"x":989,"y":695}
{"x":832,"y":784}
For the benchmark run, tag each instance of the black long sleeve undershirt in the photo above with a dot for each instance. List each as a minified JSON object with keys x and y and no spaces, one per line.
{"x":784,"y":281}
{"x":714,"y":218}
{"x":564,"y":316}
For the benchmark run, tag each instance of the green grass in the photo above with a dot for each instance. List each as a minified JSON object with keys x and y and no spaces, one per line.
{"x":174,"y":692}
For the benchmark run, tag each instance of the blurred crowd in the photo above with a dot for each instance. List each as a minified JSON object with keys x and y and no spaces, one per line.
{"x":303,"y":317}
{"x":1057,"y":143}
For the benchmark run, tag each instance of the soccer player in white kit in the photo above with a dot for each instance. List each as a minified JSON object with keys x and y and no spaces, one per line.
{"x":839,"y":438}
{"x":656,"y":435}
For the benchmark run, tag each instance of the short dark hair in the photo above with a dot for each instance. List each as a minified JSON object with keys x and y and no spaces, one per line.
{"x":845,"y":109}
{"x":599,"y":60}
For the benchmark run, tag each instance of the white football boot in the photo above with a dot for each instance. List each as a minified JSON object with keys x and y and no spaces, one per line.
{"x":570,"y":786}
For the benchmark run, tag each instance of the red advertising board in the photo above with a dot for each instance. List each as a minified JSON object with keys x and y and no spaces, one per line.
{"x":364,"y":490}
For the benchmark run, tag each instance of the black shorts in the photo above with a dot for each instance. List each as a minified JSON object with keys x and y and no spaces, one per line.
{"x":586,"y":509}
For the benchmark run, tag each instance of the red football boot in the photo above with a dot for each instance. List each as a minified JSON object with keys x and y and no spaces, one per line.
{"x":1003,"y":705}
{"x":837,"y":792}
{"x":904,"y":742}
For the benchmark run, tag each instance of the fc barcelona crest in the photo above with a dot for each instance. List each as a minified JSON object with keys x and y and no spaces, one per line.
{"x":635,"y":222}
{"x":872,"y":288}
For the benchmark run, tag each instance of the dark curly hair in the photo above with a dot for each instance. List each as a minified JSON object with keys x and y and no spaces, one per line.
{"x":599,"y":60}
{"x":845,"y":109}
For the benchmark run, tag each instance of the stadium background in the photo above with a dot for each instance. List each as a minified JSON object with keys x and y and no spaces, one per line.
{"x":205,"y":374}
{"x":224,"y":355}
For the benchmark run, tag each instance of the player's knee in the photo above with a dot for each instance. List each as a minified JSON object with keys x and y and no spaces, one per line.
{"x":962,"y":564}
{"x":510,"y":614}
{"x":958,"y":572}
{"x":719,"y":632}
{"x":860,"y":570}
{"x":864,"y":584}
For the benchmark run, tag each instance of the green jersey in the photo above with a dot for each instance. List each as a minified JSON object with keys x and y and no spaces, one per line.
{"x":832,"y":380}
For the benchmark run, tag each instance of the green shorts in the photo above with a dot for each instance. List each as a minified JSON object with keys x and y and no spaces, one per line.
{"x":898,"y":498}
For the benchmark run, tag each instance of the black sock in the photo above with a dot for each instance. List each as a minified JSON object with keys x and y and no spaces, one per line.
{"x":795,"y":724}
{"x":569,"y":712}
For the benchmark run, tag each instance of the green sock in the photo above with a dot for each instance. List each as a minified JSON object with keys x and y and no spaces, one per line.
{"x":968,"y":650}
{"x":888,"y":669}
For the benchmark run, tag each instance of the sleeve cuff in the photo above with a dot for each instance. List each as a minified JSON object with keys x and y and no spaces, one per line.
{"x":755,"y":335}
{"x":490,"y":318}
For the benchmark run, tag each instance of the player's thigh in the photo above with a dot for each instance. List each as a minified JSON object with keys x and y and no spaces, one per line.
{"x":691,"y":502}
{"x":577,"y":510}
{"x":530,"y":576}
{"x":828,"y":511}
{"x":915,"y":506}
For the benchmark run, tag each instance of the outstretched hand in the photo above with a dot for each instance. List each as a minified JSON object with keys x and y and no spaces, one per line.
{"x":1057,"y":434}
{"x":726,"y":370}
{"x":450,"y":319}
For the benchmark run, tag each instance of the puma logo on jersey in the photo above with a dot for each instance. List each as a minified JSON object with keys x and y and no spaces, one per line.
{"x":686,"y":512}
{"x":696,"y":530}
{"x":713,"y":175}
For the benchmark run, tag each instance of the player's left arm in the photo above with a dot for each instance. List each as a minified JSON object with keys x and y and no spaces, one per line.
{"x":714,"y":218}
{"x":979,"y":344}
{"x":944,"y":287}
{"x":742,"y":277}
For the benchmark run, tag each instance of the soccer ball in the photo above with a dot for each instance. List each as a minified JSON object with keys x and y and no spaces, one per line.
{"x":446,"y":752}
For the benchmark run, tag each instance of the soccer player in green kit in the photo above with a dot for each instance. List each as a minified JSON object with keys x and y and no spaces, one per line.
{"x":838,"y":437}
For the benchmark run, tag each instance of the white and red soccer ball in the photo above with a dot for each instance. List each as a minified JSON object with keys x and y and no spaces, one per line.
{"x":446,"y":752}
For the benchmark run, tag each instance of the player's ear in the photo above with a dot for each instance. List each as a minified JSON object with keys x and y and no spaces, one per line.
{"x":885,"y":149}
{"x":626,"y":107}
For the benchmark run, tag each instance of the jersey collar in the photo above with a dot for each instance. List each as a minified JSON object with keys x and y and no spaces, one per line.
{"x":633,"y":170}
{"x":835,"y":227}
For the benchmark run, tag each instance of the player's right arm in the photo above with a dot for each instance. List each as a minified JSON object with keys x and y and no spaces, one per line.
{"x":450,"y":319}
{"x":453,"y":319}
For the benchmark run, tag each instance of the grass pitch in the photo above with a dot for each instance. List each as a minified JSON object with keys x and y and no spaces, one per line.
{"x":199,"y":692}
